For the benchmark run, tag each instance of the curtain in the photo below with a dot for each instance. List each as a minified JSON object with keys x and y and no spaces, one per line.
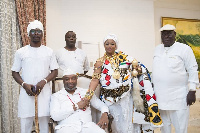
{"x":27,"y":11}
{"x":9,"y":89}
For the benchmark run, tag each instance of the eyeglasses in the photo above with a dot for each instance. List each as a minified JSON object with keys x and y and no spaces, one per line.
{"x":35,"y":31}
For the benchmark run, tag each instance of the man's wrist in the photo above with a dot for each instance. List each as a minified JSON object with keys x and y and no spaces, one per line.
{"x":22,"y":84}
{"x":76,"y":106}
{"x":45,"y":81}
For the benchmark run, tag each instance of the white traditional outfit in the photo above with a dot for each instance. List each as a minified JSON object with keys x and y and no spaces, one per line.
{"x":173,"y":68}
{"x":35,"y":64}
{"x":120,"y":104}
{"x":75,"y":60}
{"x":117,"y":92}
{"x":71,"y":121}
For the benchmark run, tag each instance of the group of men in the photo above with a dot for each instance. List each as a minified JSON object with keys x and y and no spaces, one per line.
{"x":35,"y":65}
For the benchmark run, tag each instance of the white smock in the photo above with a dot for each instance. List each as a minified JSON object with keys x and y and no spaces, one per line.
{"x":75,"y":60}
{"x":35,"y":64}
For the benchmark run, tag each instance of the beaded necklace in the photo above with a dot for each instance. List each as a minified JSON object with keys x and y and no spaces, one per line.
{"x":73,"y":102}
{"x":114,"y":61}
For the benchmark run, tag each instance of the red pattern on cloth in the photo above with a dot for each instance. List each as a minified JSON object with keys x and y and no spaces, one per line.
{"x":106,"y":62}
{"x":108,"y":83}
{"x":148,"y":97}
{"x":154,"y":96}
{"x":105,"y":71}
{"x":107,"y":77}
{"x":141,"y":83}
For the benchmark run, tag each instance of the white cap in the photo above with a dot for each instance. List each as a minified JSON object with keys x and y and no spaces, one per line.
{"x":113,"y":37}
{"x":68,"y":72}
{"x":35,"y":25}
{"x":167,"y":27}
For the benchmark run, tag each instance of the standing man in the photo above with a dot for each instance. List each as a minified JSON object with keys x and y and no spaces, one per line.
{"x":72,"y":57}
{"x":67,"y":107}
{"x":38,"y":66}
{"x":174,"y":66}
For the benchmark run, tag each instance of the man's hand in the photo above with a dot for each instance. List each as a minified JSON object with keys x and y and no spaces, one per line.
{"x":28,"y":87}
{"x":40,"y":86}
{"x":103,"y":122}
{"x":83,"y":104}
{"x":191,"y":97}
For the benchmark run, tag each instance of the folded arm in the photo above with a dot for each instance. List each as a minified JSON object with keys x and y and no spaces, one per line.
{"x":60,"y":110}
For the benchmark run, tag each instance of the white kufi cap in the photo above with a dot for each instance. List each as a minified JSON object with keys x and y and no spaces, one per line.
{"x":167,"y":27}
{"x":113,"y":37}
{"x":35,"y":25}
{"x":68,"y":72}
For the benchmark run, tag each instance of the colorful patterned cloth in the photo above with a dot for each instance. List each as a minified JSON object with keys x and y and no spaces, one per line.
{"x":151,"y":113}
{"x":108,"y":82}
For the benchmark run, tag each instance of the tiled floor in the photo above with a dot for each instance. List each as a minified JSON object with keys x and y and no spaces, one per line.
{"x":194,"y":121}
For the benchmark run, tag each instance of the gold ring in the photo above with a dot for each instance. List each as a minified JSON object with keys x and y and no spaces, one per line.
{"x":39,"y":90}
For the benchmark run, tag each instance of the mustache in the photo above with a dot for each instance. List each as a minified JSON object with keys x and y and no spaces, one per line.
{"x":67,"y":87}
{"x":70,"y":89}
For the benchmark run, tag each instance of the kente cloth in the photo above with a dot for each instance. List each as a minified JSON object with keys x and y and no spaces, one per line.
{"x":151,"y":115}
{"x":108,"y":82}
{"x":121,"y":107}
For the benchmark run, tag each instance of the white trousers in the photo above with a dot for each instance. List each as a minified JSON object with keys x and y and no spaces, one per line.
{"x":27,"y":124}
{"x":179,"y":119}
{"x":89,"y":127}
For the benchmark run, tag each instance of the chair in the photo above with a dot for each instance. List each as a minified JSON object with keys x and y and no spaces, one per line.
{"x":83,"y":82}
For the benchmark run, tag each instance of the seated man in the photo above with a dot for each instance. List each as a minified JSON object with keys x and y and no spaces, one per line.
{"x":68,"y":108}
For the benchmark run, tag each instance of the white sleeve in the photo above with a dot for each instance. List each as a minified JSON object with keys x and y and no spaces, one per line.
{"x":53,"y":62}
{"x":191,"y":67}
{"x":59,"y":111}
{"x":17,"y":62}
{"x":98,"y":104}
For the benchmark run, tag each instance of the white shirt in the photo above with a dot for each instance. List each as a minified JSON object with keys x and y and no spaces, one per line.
{"x":173,"y":68}
{"x":61,"y":108}
{"x":75,"y":60}
{"x":35,"y":65}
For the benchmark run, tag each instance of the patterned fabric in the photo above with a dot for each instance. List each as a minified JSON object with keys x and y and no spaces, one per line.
{"x":120,"y":103}
{"x":108,"y":82}
{"x":9,"y":89}
{"x":151,"y":113}
{"x":29,"y":11}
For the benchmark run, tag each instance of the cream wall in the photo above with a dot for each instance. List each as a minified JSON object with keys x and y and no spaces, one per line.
{"x":131,"y":20}
{"x":135,"y":22}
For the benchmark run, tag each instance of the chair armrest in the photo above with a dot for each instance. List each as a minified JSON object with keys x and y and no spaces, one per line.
{"x":110,"y":118}
{"x":52,"y":124}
